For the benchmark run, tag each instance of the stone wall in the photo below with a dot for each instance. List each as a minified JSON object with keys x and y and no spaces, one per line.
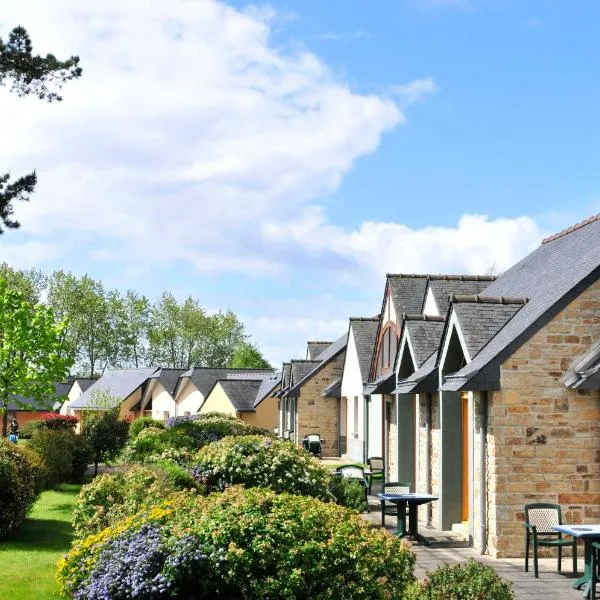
{"x":316,"y":414}
{"x":544,"y":442}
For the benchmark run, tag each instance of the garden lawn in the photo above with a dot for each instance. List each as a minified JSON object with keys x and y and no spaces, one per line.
{"x":29,"y":556}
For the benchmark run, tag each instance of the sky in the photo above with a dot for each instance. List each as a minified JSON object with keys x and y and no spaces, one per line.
{"x":278,"y":159}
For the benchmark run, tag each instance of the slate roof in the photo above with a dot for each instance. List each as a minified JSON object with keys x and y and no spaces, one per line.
{"x":85,"y":382}
{"x":28,"y":404}
{"x":119,"y":383}
{"x":365,"y":337}
{"x":480,"y":322}
{"x":268,"y":384}
{"x":424,"y":379}
{"x":168,"y":378}
{"x":550,"y":277}
{"x":585,"y":370}
{"x":241,"y":392}
{"x":334,"y":389}
{"x":425,"y":336}
{"x":204,"y":378}
{"x":443,"y":286}
{"x":301,"y":368}
{"x":408,"y":291}
{"x":315,"y":348}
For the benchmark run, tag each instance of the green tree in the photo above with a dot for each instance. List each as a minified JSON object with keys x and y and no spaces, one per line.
{"x":29,"y":74}
{"x":90,"y":333}
{"x":248,"y":356}
{"x":33,"y":355}
{"x":30,"y":283}
{"x":131,"y":317}
{"x":224,"y":335}
{"x":106,"y":433}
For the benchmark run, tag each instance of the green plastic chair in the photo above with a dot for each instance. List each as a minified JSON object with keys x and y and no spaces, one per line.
{"x":539,"y":520}
{"x":393,"y":487}
{"x":377,"y":468}
{"x":595,"y":567}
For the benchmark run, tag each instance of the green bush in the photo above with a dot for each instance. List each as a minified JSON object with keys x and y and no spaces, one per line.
{"x":27,"y":429}
{"x":256,"y":461}
{"x":17,"y":487}
{"x":83,"y":455}
{"x":472,"y":581}
{"x":348,"y":493}
{"x":111,"y":497}
{"x":55,"y":446}
{"x":252,"y":544}
{"x":138,"y":425}
{"x":38,"y":466}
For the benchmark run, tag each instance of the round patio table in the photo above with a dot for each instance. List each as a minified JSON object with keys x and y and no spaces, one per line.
{"x":413,"y":501}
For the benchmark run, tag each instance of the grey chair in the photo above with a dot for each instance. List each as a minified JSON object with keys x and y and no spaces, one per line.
{"x":393,"y":487}
{"x":377,"y":468}
{"x":539,"y":520}
{"x":312,"y":443}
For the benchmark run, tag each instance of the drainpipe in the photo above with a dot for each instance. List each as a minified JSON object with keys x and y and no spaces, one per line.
{"x":428,"y":453}
{"x":483,"y":470}
{"x":365,"y":428}
{"x":339,"y":427}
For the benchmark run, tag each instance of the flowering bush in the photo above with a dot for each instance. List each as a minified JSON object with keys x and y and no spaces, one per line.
{"x":142,"y":423}
{"x":472,"y":581}
{"x":239,"y":544}
{"x":56,"y":421}
{"x":113,"y":496}
{"x":255,"y":461}
{"x":17,"y":487}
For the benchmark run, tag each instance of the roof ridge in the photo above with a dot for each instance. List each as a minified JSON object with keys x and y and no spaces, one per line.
{"x":318,"y":342}
{"x":571,"y":229}
{"x":441,"y":277}
{"x":477,"y":298}
{"x":365,"y":318}
{"x":304,"y":360}
{"x":422,"y":317}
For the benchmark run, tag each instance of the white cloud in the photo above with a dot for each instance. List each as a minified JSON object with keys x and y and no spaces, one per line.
{"x":473,"y":246}
{"x":415,"y":91}
{"x":187,"y":130}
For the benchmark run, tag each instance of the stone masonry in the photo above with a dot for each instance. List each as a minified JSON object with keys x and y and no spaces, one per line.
{"x":543,"y":438}
{"x":316,"y":414}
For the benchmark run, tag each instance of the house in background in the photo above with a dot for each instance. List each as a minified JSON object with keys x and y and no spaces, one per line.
{"x":361,"y":424}
{"x":78,"y":386}
{"x":246,"y":396}
{"x":158,"y":400}
{"x":194,"y":385}
{"x":125,"y":385}
{"x":310,"y":402}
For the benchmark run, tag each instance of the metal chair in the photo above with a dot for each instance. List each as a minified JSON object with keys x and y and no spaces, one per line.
{"x":595,"y":568}
{"x":377,"y":468}
{"x":393,"y":487}
{"x":355,"y":473}
{"x":539,"y":520}
{"x":313,"y":444}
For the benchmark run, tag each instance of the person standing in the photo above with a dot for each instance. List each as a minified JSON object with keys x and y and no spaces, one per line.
{"x":14,"y":431}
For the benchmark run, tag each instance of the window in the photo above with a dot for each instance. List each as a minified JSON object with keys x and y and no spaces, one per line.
{"x":291,"y":413}
{"x":166,"y":415}
{"x":186,"y":413}
{"x":355,"y":432}
{"x":386,"y":349}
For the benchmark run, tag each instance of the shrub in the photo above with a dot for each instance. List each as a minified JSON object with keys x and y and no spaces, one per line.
{"x":112,"y":497}
{"x":106,"y":434}
{"x":27,"y":429}
{"x":56,"y":421}
{"x":138,"y":425}
{"x":55,"y":446}
{"x":83,"y":455}
{"x":348,"y":493}
{"x":239,"y":544}
{"x":255,"y":461}
{"x":472,"y":581}
{"x":38,"y":466}
{"x":17,"y":487}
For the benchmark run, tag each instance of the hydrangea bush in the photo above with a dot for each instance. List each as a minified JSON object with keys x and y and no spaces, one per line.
{"x":243,"y":543}
{"x":256,"y":461}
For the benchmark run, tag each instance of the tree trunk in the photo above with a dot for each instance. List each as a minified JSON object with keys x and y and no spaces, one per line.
{"x":4,"y":420}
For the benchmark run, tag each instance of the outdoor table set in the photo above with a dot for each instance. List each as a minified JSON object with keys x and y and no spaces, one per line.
{"x":413,"y":501}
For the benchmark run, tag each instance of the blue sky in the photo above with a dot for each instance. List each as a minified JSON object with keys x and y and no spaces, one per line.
{"x":279,"y":159}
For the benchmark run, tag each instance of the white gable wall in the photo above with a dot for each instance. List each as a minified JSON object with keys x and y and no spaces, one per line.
{"x":73,"y":394}
{"x":389,"y":313}
{"x":352,"y":389}
{"x":189,"y":399}
{"x":162,"y":403}
{"x":430,"y":308}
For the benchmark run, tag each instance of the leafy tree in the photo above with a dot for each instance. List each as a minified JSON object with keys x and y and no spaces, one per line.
{"x":29,"y":74}
{"x":90,"y":333}
{"x":131,"y":316}
{"x":33,"y":356}
{"x":178,"y":332}
{"x":104,"y":431}
{"x":248,"y":356}
{"x":225,"y":334}
{"x":31,"y":283}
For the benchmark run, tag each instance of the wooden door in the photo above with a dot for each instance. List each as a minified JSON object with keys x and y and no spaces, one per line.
{"x":465,"y":456}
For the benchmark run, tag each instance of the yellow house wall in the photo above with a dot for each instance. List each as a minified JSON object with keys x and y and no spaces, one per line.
{"x":189,"y":399}
{"x":543,"y":438}
{"x":217,"y":401}
{"x":266,"y":415}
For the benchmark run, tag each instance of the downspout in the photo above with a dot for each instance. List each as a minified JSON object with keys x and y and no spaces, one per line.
{"x":366,"y":428}
{"x":339,"y":427}
{"x":483,"y":470}
{"x":428,"y":453}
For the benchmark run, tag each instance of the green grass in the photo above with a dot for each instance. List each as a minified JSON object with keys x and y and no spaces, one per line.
{"x":29,"y":556}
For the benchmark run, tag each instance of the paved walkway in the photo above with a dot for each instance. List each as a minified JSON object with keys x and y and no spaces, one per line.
{"x":448,"y":548}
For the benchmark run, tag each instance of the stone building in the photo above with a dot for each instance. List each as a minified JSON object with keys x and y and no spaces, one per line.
{"x":506,"y":409}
